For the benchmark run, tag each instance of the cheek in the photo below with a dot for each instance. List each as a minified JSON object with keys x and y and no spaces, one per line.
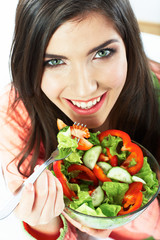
{"x":117,"y":75}
{"x":120,"y":77}
{"x":113,"y":74}
{"x":50,"y":85}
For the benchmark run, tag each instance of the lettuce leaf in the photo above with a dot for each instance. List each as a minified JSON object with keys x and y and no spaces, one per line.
{"x":66,"y":145}
{"x":83,"y":197}
{"x":115,"y":191}
{"x":149,"y":177}
{"x":94,"y":138}
{"x":109,"y":210}
{"x":112,"y":143}
{"x":84,"y":208}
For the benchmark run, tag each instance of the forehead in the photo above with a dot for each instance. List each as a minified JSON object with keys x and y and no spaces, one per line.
{"x":92,"y":29}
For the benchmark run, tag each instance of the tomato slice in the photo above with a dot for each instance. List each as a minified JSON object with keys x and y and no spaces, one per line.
{"x":79,"y":131}
{"x":60,"y":124}
{"x":84,"y":144}
{"x":82,"y":133}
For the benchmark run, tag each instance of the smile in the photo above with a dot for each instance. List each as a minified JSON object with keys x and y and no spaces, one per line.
{"x":86,"y":105}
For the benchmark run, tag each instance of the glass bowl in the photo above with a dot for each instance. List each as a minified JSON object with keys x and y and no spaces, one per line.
{"x":117,"y":221}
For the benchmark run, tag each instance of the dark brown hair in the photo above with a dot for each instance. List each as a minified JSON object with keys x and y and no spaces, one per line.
{"x":136,"y":110}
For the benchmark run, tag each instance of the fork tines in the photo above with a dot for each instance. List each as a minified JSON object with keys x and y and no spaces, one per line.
{"x":75,"y":123}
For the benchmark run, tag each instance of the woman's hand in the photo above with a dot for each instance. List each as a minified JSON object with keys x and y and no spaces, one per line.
{"x":93,"y":232}
{"x":41,"y":202}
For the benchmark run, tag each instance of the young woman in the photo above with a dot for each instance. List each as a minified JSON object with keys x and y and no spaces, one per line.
{"x":78,"y":61}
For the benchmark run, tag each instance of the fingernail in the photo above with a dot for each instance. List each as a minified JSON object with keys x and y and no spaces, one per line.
{"x":29,"y":187}
{"x":84,"y":229}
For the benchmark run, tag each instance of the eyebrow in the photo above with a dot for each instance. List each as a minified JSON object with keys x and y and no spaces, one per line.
{"x":54,"y":56}
{"x":106,"y":43}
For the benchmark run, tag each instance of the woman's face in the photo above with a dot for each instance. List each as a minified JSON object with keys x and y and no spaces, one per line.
{"x":85,"y":69}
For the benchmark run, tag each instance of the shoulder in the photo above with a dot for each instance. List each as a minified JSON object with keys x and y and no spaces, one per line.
{"x":14,"y":122}
{"x":8,"y":113}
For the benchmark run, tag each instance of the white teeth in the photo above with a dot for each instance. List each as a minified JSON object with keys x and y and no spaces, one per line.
{"x":78,"y":104}
{"x":83,"y":105}
{"x":94,"y":102}
{"x":98,"y":99}
{"x":87,"y":105}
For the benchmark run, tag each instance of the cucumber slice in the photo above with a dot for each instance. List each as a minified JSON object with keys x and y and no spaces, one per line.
{"x":120,"y":174}
{"x":91,"y":156}
{"x":138,"y":179}
{"x":97,"y":196}
{"x":105,"y":166}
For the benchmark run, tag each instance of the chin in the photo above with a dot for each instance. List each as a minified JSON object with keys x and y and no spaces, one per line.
{"x":93,"y":123}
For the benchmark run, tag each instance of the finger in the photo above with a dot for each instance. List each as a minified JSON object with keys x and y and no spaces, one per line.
{"x":24,"y":209}
{"x":96,"y":232}
{"x":41,"y":194}
{"x":91,"y":231}
{"x":72,"y":221}
{"x":54,"y":204}
{"x":59,"y":203}
{"x":14,"y":185}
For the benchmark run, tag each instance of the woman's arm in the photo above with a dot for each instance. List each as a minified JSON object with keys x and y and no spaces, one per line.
{"x":41,"y":203}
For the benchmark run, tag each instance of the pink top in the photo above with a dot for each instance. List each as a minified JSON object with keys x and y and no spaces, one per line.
{"x":12,"y":138}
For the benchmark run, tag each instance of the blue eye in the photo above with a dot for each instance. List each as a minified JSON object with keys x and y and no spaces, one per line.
{"x":53,"y":62}
{"x":104,"y":53}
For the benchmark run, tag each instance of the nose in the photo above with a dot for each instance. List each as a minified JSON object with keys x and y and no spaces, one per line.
{"x":82,"y":81}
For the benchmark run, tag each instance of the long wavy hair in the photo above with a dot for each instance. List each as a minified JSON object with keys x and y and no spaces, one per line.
{"x":136,"y":110}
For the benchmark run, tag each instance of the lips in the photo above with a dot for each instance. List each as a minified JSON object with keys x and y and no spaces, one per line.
{"x":87,"y":107}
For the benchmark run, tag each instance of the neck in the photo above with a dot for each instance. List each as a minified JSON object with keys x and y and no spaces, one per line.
{"x":102,"y":128}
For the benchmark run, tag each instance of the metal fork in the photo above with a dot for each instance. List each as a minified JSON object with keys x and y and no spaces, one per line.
{"x":11,"y":204}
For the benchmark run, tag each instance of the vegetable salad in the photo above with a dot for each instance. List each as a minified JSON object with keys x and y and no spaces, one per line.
{"x":105,"y":175}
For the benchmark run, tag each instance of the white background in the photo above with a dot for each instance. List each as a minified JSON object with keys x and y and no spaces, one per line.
{"x":147,"y":10}
{"x":144,"y":10}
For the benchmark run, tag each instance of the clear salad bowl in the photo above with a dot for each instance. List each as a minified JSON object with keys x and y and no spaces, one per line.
{"x":98,"y":222}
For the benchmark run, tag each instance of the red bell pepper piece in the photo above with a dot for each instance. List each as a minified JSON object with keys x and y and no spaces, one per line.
{"x":97,"y":170}
{"x":118,"y":133}
{"x":103,"y":158}
{"x":91,"y":191}
{"x":81,"y":176}
{"x":84,"y":169}
{"x":137,"y":155}
{"x":63,"y":180}
{"x":134,"y":149}
{"x":113,"y":159}
{"x":132,"y":199}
